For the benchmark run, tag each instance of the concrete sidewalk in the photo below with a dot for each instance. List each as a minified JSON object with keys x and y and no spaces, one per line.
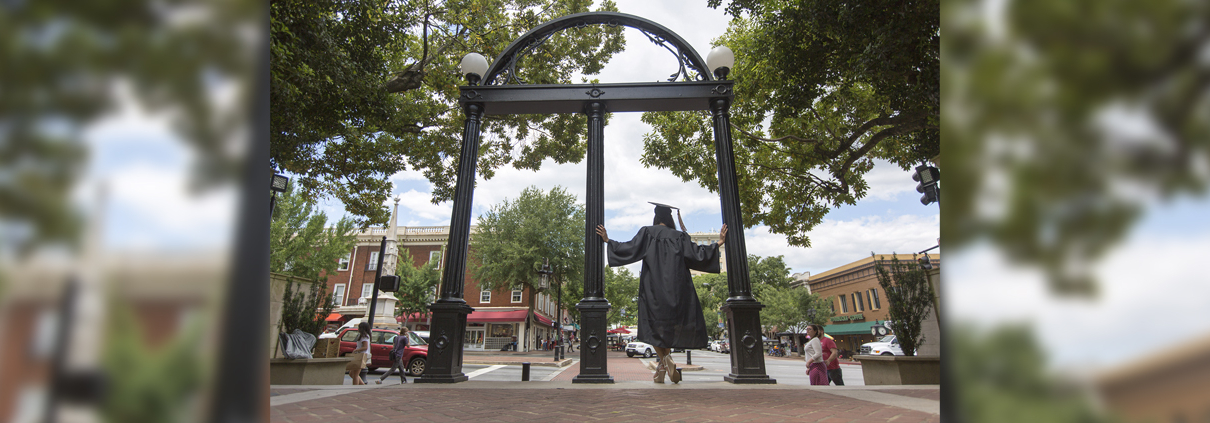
{"x":633,"y":397}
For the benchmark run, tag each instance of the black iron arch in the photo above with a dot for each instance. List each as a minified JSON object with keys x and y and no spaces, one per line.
{"x":504,"y":69}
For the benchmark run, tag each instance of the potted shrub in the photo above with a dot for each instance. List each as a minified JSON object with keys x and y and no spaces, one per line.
{"x":909,"y":301}
{"x":300,"y":318}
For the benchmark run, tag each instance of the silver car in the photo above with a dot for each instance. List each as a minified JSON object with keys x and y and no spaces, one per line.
{"x":640,"y":348}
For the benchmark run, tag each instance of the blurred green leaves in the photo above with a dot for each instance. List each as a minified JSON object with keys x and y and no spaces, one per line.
{"x":68,"y":65}
{"x":1065,"y":120}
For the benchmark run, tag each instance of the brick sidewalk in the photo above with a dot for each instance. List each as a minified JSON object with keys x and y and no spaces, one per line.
{"x":408,"y":403}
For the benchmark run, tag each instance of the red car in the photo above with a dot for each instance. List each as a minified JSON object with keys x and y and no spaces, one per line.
{"x":381,"y":342}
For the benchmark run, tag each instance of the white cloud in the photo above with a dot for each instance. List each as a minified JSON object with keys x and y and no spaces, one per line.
{"x":166,"y":212}
{"x":836,"y":243}
{"x":1144,"y":278}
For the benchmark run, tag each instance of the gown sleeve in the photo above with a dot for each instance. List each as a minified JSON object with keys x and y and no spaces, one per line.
{"x":623,"y":253}
{"x":702,"y":258}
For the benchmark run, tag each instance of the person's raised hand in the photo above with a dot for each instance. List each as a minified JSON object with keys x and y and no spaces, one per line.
{"x":601,"y":231}
{"x":722,"y":236}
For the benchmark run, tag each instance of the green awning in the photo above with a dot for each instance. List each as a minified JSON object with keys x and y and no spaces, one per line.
{"x":849,"y":328}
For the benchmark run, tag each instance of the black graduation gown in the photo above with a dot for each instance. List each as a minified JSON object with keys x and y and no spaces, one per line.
{"x":670,"y":315}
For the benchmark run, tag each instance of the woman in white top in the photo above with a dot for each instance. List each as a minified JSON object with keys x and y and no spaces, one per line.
{"x":363,"y":347}
{"x":814,"y":352}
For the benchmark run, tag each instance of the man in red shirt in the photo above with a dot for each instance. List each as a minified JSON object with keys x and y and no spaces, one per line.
{"x":831,"y":359}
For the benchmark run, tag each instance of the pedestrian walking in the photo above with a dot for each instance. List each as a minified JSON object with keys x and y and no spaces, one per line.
{"x":816,"y":370}
{"x":398,"y":351}
{"x":831,"y":358}
{"x":361,"y":354}
{"x":670,"y":315}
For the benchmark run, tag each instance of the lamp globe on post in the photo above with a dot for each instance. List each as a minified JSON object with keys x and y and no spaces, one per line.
{"x":473,"y":67}
{"x":720,"y":60}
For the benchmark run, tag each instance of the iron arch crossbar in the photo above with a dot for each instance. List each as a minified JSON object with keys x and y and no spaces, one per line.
{"x":504,"y":69}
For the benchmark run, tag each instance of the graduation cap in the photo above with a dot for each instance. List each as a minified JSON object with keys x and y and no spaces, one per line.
{"x":663,"y":214}
{"x":663,"y":205}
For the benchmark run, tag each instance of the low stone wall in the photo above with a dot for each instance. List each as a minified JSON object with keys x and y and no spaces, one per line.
{"x":900,"y":370}
{"x":314,"y":371}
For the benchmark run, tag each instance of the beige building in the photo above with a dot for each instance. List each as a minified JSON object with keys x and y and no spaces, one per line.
{"x":1172,"y":385}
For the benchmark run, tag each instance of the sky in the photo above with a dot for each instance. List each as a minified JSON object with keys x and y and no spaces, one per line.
{"x":1156,"y":272}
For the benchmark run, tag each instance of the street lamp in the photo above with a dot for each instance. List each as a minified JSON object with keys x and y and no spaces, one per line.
{"x":473,"y":67}
{"x":279,"y":184}
{"x":720,"y":60}
{"x":544,"y":284}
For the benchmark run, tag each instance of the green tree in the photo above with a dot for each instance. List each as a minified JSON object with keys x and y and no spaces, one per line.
{"x":909,"y":299}
{"x":363,"y":90}
{"x":299,"y":242}
{"x":621,"y":290}
{"x":416,"y":286}
{"x":515,"y":236}
{"x":822,"y":89}
{"x":712,"y":293}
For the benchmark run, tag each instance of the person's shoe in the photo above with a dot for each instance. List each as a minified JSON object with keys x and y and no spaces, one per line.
{"x":379,"y":381}
{"x":659,"y":373}
{"x":673,"y":372}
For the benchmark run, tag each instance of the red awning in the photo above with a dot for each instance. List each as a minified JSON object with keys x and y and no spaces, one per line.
{"x":497,"y":316}
{"x":413,"y":318}
{"x":333,"y":317}
{"x":544,"y":320}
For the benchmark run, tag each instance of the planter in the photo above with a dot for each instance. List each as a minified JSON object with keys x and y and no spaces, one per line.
{"x":900,"y":370}
{"x":313,"y":371}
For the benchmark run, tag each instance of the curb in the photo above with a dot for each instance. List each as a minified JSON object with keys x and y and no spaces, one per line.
{"x":561,"y":363}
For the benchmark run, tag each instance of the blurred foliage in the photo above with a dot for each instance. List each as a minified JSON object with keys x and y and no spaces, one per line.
{"x":300,"y":244}
{"x":712,"y":293}
{"x":822,"y":89}
{"x":1002,"y":378}
{"x":150,"y":385}
{"x":69,"y":64}
{"x":306,"y":311}
{"x":1064,"y":120}
{"x":417,"y":285}
{"x":621,"y":290}
{"x":909,"y":298}
{"x":514,"y":236}
{"x":362,"y":90}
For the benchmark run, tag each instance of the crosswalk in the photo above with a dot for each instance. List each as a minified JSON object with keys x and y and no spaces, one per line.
{"x":476,"y":373}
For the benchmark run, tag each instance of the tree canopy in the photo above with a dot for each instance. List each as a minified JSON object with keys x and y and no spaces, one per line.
{"x":299,"y":242}
{"x":514,"y":237}
{"x":417,"y":285}
{"x":363,"y":90}
{"x":822,"y":89}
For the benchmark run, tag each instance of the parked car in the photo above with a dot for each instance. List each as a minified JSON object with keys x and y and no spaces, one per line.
{"x":381,"y":342}
{"x":423,"y":334}
{"x":888,"y":345}
{"x":636,"y":347}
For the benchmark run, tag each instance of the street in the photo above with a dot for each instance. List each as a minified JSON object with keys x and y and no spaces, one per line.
{"x":786,"y":370}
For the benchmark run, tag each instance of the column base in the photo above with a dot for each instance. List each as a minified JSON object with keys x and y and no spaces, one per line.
{"x":592,"y":379}
{"x":441,"y":379}
{"x":750,"y":379}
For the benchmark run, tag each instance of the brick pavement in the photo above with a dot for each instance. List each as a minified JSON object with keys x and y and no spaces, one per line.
{"x":631,"y":398}
{"x":410,"y":403}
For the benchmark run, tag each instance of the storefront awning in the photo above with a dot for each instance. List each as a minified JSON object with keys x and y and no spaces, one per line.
{"x":333,"y":317}
{"x":849,"y":328}
{"x":542,"y":319}
{"x":496,"y":316}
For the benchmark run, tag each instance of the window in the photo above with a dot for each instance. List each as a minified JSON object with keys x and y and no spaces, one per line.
{"x":833,"y":305}
{"x":350,"y":335}
{"x":367,"y":290}
{"x":516,"y":295}
{"x":858,"y":305}
{"x":344,"y":262}
{"x":373,"y":263}
{"x":874,"y":296}
{"x":485,"y":296}
{"x":338,"y":295}
{"x":844,"y":304}
{"x":435,"y":256}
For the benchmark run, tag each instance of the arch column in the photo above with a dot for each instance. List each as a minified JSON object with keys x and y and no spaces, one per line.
{"x":594,"y":308}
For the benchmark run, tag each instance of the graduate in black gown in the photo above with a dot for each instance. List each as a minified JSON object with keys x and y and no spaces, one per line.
{"x":670,"y":315}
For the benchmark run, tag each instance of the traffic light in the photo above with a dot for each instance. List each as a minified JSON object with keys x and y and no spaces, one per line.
{"x":388,"y":283}
{"x":925,"y":263}
{"x":927,"y":176}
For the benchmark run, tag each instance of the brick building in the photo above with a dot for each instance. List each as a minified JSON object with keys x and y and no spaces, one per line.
{"x":858,"y":300}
